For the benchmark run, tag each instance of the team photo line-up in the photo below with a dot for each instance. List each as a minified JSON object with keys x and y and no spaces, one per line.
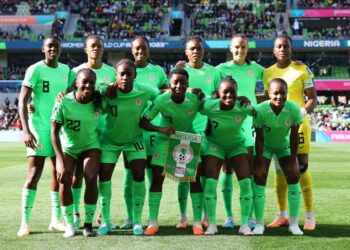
{"x":83,"y":119}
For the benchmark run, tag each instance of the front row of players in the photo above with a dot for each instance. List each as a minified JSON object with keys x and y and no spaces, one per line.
{"x":73,"y":133}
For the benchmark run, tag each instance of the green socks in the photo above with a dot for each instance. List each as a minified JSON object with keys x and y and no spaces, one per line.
{"x":89,"y":212}
{"x":138,"y":199}
{"x":154,"y":204}
{"x":203,"y":181}
{"x":68,"y":214}
{"x":105,"y":194}
{"x":210,"y":199}
{"x":76,"y":199}
{"x":245,"y":199}
{"x":183,"y":188}
{"x":28,"y":198}
{"x":197,"y":206}
{"x":128,"y":192}
{"x":227,"y":189}
{"x":56,"y":212}
{"x":294,"y":196}
{"x":251,"y":214}
{"x":259,"y":202}
{"x":149,"y":174}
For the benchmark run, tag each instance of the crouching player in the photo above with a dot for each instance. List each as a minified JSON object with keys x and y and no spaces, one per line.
{"x":225,"y":140}
{"x":178,"y":108}
{"x":74,"y":137}
{"x":276,"y":124}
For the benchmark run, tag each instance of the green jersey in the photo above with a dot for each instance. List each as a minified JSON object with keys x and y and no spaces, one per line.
{"x":104,"y":75}
{"x":151,"y":76}
{"x":46,"y":82}
{"x":207,"y":79}
{"x":277,"y":127}
{"x":225,"y":126}
{"x":79,"y":123}
{"x":180,"y":116}
{"x":246,"y":76}
{"x":124,"y":113}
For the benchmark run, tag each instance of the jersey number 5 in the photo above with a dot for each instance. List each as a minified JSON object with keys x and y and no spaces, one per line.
{"x":73,"y":125}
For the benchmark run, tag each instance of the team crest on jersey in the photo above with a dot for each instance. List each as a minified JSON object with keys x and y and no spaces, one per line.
{"x":250,"y":73}
{"x":190,"y":112}
{"x":288,"y":122}
{"x":238,"y":119}
{"x":209,"y":79}
{"x":213,"y":148}
{"x":107,"y":79}
{"x":138,"y":102}
{"x":155,"y":156}
{"x":151,"y":77}
{"x":96,"y":115}
{"x":65,"y":78}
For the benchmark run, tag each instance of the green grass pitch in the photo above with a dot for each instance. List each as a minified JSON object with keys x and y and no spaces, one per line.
{"x":331,"y":173}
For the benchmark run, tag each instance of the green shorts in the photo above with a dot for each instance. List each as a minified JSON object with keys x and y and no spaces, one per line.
{"x":279,"y":152}
{"x":75,"y":153}
{"x":212,"y":148}
{"x":101,"y":123}
{"x":160,"y":152}
{"x":43,"y":144}
{"x":149,"y":139}
{"x":249,"y":132}
{"x":132,"y":151}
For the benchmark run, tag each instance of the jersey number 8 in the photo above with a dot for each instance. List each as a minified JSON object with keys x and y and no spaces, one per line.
{"x":46,"y":86}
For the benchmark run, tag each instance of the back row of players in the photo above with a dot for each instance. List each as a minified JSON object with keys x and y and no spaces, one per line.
{"x":120,"y":112}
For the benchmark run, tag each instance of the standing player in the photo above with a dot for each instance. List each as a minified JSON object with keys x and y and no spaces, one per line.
{"x":74,"y":136}
{"x":105,"y":74}
{"x":178,"y":109}
{"x":151,"y":76}
{"x":300,"y":83}
{"x":246,"y":73}
{"x":206,"y":78}
{"x":43,"y":81}
{"x":276,"y":125}
{"x":225,"y":140}
{"x":122,"y":134}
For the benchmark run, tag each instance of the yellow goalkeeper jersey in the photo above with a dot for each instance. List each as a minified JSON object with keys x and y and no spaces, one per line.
{"x":298,"y":78}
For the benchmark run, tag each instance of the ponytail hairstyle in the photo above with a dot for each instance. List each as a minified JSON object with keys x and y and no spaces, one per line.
{"x":96,"y":96}
{"x":240,"y":35}
{"x":282,"y":36}
{"x":127,"y":62}
{"x":230,"y":79}
{"x":93,"y":37}
{"x":279,"y":80}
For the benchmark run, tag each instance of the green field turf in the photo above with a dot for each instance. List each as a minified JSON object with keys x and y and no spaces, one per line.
{"x":330,"y":164}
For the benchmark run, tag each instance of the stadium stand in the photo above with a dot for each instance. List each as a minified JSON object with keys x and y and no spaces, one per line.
{"x":121,"y":20}
{"x":213,"y":21}
{"x":323,"y":4}
{"x":328,"y":118}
